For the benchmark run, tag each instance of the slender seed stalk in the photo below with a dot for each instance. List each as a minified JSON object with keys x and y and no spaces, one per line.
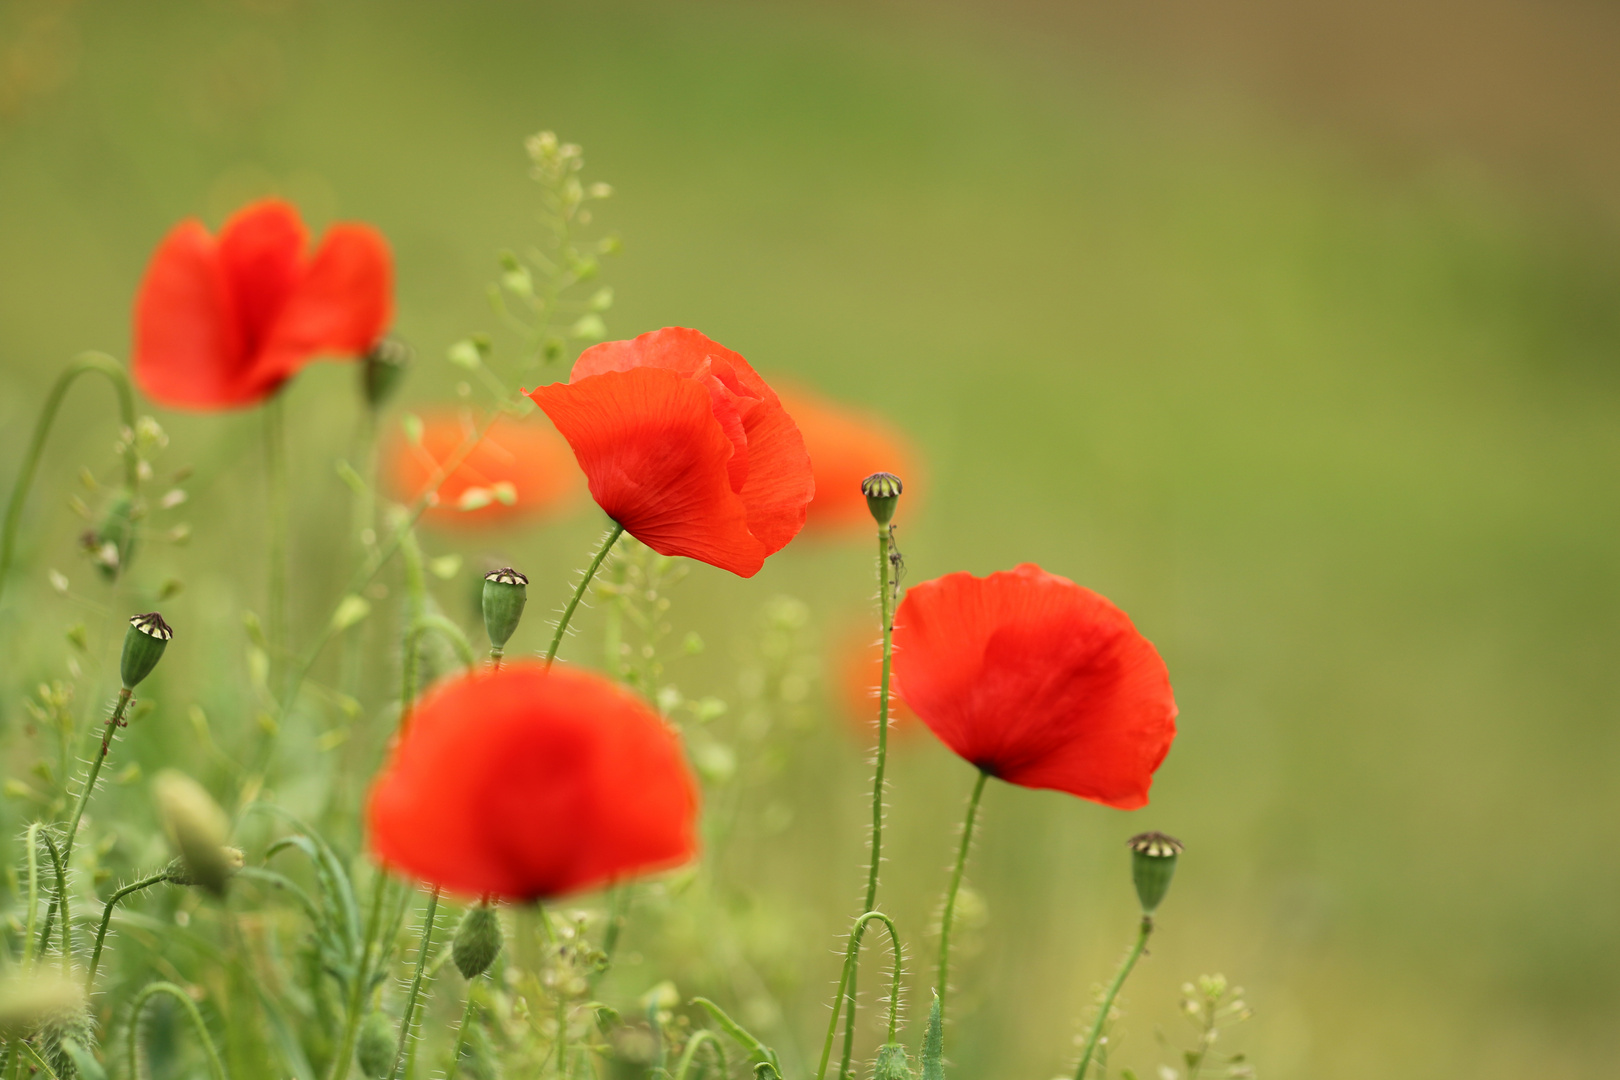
{"x":275,"y":469}
{"x":106,"y":920}
{"x":886,"y":607}
{"x":416,"y":982}
{"x":943,"y":982}
{"x":584,"y":583}
{"x":113,"y":721}
{"x":115,"y":373}
{"x":1113,"y":992}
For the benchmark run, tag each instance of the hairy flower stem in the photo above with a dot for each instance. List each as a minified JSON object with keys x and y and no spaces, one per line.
{"x":584,"y":583}
{"x":115,"y":373}
{"x":943,"y":982}
{"x":216,"y":1068}
{"x":362,"y":977}
{"x":113,"y":721}
{"x":416,"y":983}
{"x":1113,"y":992}
{"x":886,"y":607}
{"x":67,"y":916}
{"x":846,"y":987}
{"x":106,"y":920}
{"x":467,"y":1015}
{"x":275,"y":471}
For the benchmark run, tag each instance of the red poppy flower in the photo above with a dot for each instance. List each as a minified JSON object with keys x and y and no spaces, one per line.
{"x":686,"y":447}
{"x":525,"y":783}
{"x":846,"y":446}
{"x":222,"y":322}
{"x":859,"y":660}
{"x":1037,"y":681}
{"x":517,"y":471}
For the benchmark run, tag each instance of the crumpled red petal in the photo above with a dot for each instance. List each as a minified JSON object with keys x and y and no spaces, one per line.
{"x":188,"y":346}
{"x":340,"y":306}
{"x":1038,"y":681}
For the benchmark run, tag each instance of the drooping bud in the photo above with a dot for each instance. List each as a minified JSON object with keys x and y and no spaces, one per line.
{"x":1153,"y":864}
{"x":197,"y":830}
{"x":374,"y":1051}
{"x":383,"y":369}
{"x":477,"y":942}
{"x":30,"y":1002}
{"x":148,"y":635}
{"x":505,"y":593}
{"x":882,"y":491}
{"x":893,"y":1063}
{"x":111,"y":544}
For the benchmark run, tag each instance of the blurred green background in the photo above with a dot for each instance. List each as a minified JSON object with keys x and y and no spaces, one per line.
{"x":1291,"y":330}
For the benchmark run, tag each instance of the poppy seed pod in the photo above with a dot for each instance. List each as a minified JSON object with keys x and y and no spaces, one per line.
{"x":505,"y":593}
{"x":374,"y":1051}
{"x":477,"y":942}
{"x":383,"y":369}
{"x":1153,"y":864}
{"x":882,"y":491}
{"x":148,"y":635}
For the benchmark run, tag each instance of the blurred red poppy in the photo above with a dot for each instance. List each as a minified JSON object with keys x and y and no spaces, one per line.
{"x":846,"y":446}
{"x":858,"y":669}
{"x":1038,"y":681}
{"x":686,"y":447}
{"x":524,"y":783}
{"x":223,"y":322}
{"x":518,"y":471}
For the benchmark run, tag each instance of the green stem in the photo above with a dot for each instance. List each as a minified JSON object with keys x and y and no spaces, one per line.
{"x":67,"y":915}
{"x":275,"y":470}
{"x":461,"y":1034}
{"x":846,"y":988}
{"x":119,"y":378}
{"x":216,"y":1068}
{"x":106,"y":920}
{"x":33,"y":891}
{"x":955,"y":887}
{"x":416,"y":982}
{"x":39,"y":1063}
{"x":1113,"y":992}
{"x":698,"y":1040}
{"x":362,"y":976}
{"x":113,"y":721}
{"x":584,"y":583}
{"x":451,"y":633}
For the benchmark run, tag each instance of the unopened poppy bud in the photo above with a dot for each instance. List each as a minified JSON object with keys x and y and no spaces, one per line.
{"x":893,"y":1063}
{"x":197,"y":830}
{"x":148,"y":635}
{"x":29,"y":1002}
{"x":111,"y":543}
{"x":383,"y":370}
{"x":505,"y":593}
{"x":477,"y":942}
{"x":1153,"y":864}
{"x":374,"y":1051}
{"x":882,"y":491}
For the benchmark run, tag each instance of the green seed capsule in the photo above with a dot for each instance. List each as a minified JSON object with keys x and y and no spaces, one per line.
{"x":383,"y":369}
{"x":1153,"y":864}
{"x":148,"y":635}
{"x":477,"y":942}
{"x":882,"y":491}
{"x":374,"y":1051}
{"x":505,"y":593}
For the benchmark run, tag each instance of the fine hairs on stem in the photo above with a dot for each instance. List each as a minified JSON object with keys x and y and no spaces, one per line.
{"x":613,"y":535}
{"x":943,"y":982}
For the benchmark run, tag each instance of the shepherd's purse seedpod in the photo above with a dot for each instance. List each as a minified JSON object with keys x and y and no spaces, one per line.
{"x":148,"y":635}
{"x":1153,"y":864}
{"x":505,"y":593}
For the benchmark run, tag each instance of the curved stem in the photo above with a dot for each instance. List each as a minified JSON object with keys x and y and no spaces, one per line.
{"x":698,"y":1040}
{"x":416,"y":982}
{"x":106,"y":920}
{"x":584,"y":583}
{"x":846,"y":987}
{"x":119,"y":378}
{"x":1113,"y":992}
{"x":61,"y":898}
{"x":446,"y":629}
{"x":955,"y":887}
{"x":216,"y":1068}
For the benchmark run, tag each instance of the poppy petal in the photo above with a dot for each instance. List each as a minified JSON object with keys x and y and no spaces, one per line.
{"x":780,"y":482}
{"x":188,"y":349}
{"x":340,"y":307}
{"x":262,"y":251}
{"x":656,"y":458}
